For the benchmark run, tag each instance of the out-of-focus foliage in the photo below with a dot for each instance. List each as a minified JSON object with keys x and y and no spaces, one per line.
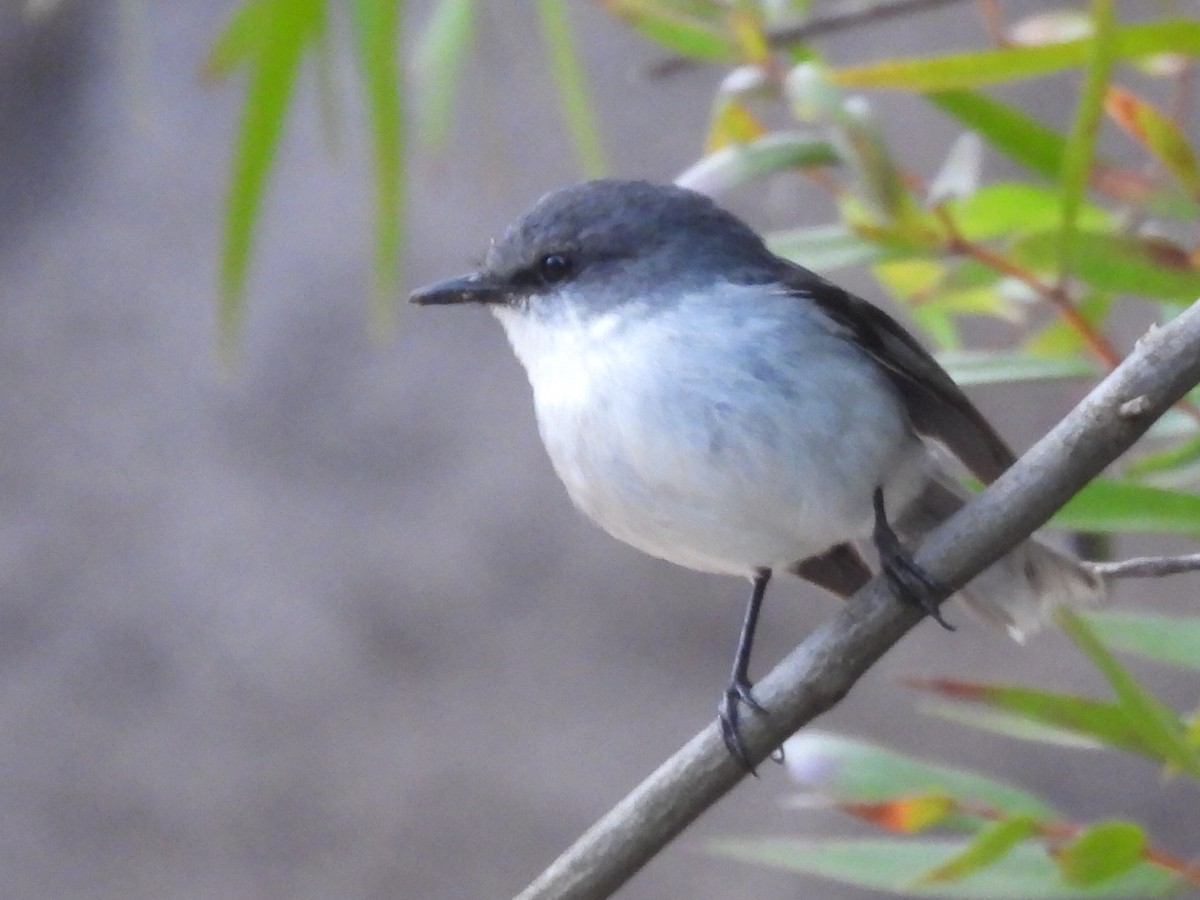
{"x":1052,"y":255}
{"x":271,"y":40}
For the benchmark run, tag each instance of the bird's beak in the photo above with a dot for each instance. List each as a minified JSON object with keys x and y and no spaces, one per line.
{"x":473,"y":288}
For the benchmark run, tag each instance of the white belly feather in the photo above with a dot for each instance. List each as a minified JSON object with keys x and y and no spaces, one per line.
{"x":713,"y":440}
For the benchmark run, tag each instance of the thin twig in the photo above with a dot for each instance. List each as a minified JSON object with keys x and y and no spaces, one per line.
{"x":815,"y":26}
{"x":1163,"y":366}
{"x":1146,"y":566}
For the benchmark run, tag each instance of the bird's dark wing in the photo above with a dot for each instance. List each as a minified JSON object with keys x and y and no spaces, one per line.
{"x":936,"y":406}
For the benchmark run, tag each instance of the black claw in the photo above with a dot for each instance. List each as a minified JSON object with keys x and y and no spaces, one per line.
{"x":729,"y":712}
{"x":909,"y":581}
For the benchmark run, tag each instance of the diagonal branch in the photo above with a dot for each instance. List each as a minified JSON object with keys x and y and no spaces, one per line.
{"x":816,"y":675}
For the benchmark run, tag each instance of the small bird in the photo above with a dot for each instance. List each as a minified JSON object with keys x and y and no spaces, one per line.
{"x":722,"y":408}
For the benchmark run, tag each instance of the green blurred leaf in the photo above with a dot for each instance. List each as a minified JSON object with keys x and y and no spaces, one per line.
{"x":969,"y":70}
{"x":241,"y":38}
{"x":572,"y":90}
{"x":376,"y":29}
{"x":1008,"y":725}
{"x":893,"y":865}
{"x":1013,"y":207}
{"x":271,"y":42}
{"x":1106,"y":505}
{"x":733,"y":124}
{"x":1101,"y":853}
{"x":1125,"y":264}
{"x":1154,"y":723}
{"x":732,"y":166}
{"x":1081,"y":143}
{"x":1006,"y":128}
{"x":987,"y":848}
{"x":1174,"y":640}
{"x":703,"y":37}
{"x":1157,"y":133}
{"x":1174,"y":457}
{"x":442,"y":48}
{"x":1096,"y":719}
{"x":972,"y":367}
{"x":852,"y":771}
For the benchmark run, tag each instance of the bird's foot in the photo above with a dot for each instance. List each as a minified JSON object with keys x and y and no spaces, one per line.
{"x":910,"y":582}
{"x":738,"y":692}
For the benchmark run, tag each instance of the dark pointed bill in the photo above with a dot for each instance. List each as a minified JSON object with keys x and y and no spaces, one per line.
{"x":473,"y":288}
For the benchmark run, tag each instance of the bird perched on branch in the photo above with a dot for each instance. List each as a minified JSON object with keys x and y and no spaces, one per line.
{"x":727,"y":410}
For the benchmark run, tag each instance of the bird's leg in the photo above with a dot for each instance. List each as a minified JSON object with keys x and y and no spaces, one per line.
{"x":740,"y":688}
{"x":909,"y":581}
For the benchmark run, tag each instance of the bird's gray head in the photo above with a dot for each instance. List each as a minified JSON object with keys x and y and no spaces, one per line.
{"x":605,"y":243}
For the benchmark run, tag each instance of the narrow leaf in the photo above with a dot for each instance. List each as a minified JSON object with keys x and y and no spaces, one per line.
{"x":1081,"y":143}
{"x":970,"y":70}
{"x":1097,"y":719}
{"x":1125,"y":264}
{"x":572,"y":90}
{"x":1006,"y":128}
{"x":1155,"y":724}
{"x":442,"y":48}
{"x":1157,"y":132}
{"x":893,"y":865}
{"x":1174,"y":640}
{"x":1106,"y":505}
{"x":859,"y":772}
{"x":688,"y":35}
{"x":972,"y":367}
{"x":988,"y":847}
{"x":287,"y":27}
{"x":377,"y":26}
{"x":1102,"y":853}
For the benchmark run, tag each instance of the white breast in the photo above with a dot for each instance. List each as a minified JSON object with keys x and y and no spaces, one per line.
{"x":719,"y":441}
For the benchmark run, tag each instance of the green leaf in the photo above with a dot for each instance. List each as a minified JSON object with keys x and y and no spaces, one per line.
{"x":972,"y":367}
{"x":893,"y":865}
{"x":1081,"y":143}
{"x":1124,"y":264}
{"x":1006,"y":128}
{"x":735,"y":165}
{"x":377,"y":27}
{"x":969,"y":70}
{"x":271,"y":42}
{"x":698,"y":37}
{"x":1009,"y":725}
{"x":438,"y":60}
{"x":1101,"y":853}
{"x":1174,"y":640}
{"x":853,"y":771}
{"x":1158,"y":133}
{"x":1174,"y":457}
{"x":1106,"y":505}
{"x":1007,"y":207}
{"x":572,"y":90}
{"x":1096,"y":719}
{"x":241,"y":38}
{"x":1154,"y":723}
{"x":988,"y":847}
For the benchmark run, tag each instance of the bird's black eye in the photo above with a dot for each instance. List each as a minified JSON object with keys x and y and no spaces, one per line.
{"x":554,"y":267}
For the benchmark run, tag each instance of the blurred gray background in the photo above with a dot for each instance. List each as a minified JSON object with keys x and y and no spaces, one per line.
{"x":327,"y":626}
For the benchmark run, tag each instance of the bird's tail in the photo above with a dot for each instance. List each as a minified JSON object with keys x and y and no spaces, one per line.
{"x":1018,"y":591}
